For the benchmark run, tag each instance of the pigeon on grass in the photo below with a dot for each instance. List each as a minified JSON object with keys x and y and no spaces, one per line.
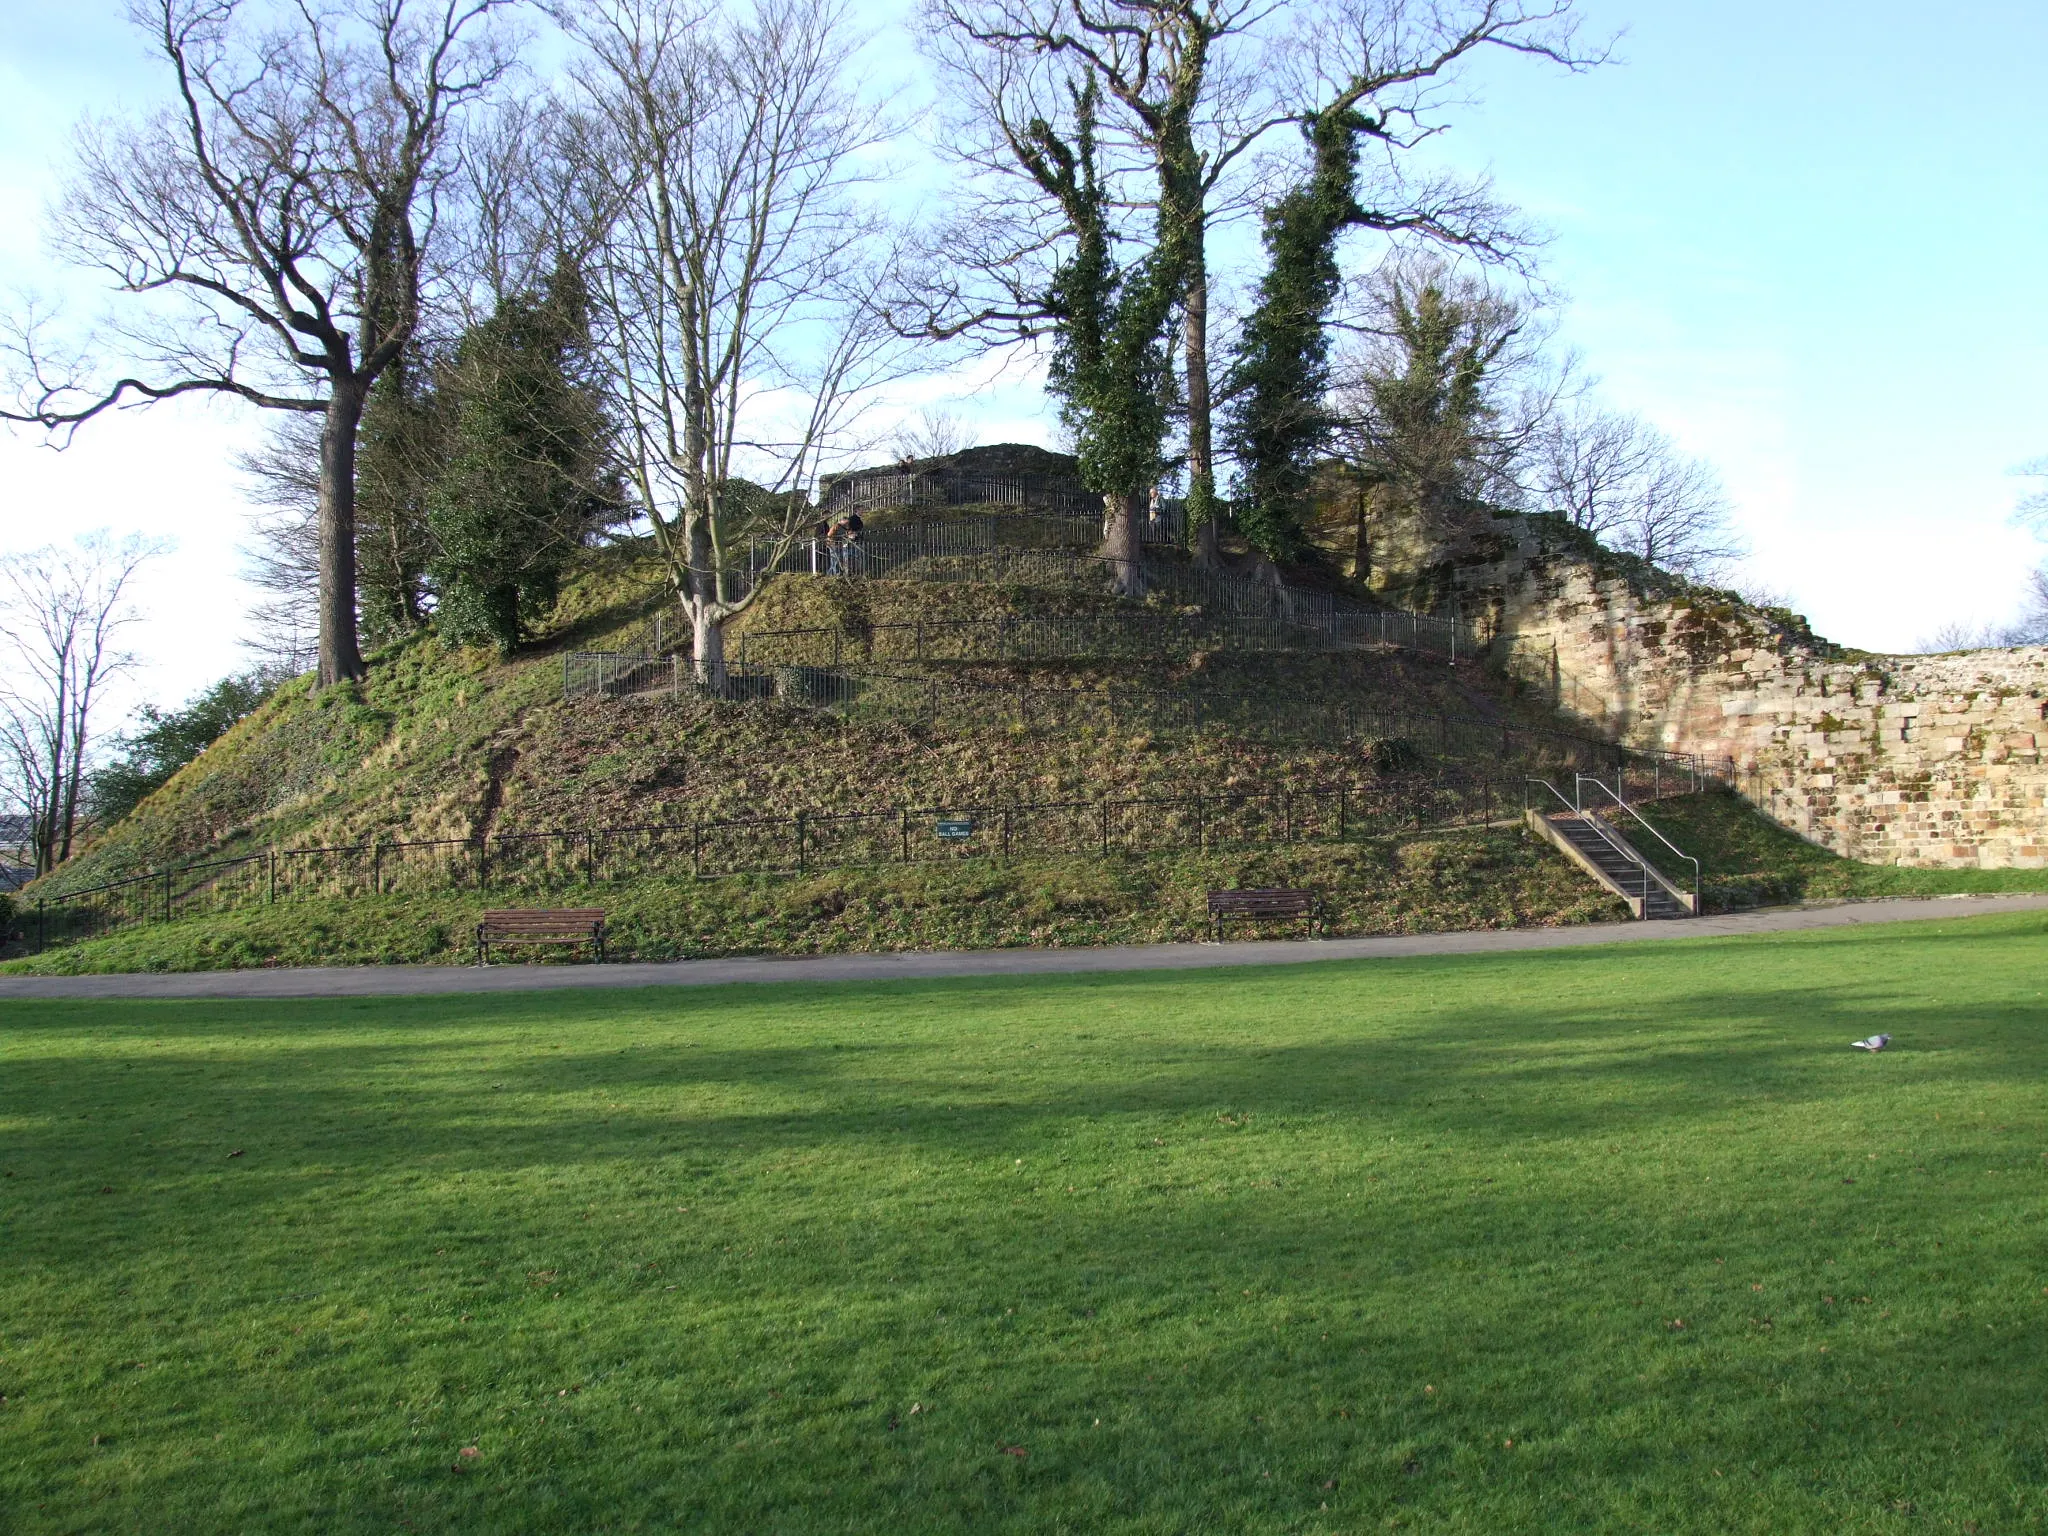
{"x":1873,"y":1044}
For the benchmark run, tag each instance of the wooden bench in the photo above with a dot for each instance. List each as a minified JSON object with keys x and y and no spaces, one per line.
{"x":1263,"y":904}
{"x":541,"y":925}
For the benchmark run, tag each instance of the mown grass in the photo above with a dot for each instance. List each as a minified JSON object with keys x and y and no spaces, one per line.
{"x":1619,"y":1239}
{"x":1482,"y":878}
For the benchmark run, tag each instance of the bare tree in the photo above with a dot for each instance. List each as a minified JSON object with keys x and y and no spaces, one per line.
{"x":1619,"y":479}
{"x":732,"y":285}
{"x":2032,"y":510}
{"x":1200,"y":84}
{"x":282,"y":554}
{"x":2031,"y":625}
{"x":285,"y":203}
{"x":61,"y":616}
{"x":935,"y":434}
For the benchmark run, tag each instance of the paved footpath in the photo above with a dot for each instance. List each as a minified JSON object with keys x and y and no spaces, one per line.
{"x":426,"y":980}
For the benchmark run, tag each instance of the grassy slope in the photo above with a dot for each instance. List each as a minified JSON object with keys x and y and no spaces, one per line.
{"x":1481,"y":879}
{"x":1747,"y":861}
{"x":1472,"y":879}
{"x":1593,"y":1240}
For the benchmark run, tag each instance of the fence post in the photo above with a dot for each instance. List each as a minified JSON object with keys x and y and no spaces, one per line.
{"x":697,"y":849}
{"x":377,"y":869}
{"x":483,"y":863}
{"x":802,"y":836}
{"x":273,"y":877}
{"x":1343,"y":826}
{"x":903,"y":817}
{"x":167,"y":895}
{"x":590,"y":858}
{"x":1103,"y":807}
{"x":1006,"y":832}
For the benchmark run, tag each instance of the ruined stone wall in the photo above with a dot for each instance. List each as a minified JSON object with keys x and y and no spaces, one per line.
{"x":1920,"y":760}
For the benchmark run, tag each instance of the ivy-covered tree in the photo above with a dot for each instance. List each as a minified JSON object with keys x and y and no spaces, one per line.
{"x":1278,"y":424}
{"x":524,"y":477}
{"x":398,"y":455}
{"x":1111,"y":367}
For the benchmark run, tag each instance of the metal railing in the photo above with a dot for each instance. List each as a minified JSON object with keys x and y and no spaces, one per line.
{"x":1054,"y":496}
{"x":1614,"y":844}
{"x":936,"y":698}
{"x":799,"y":842}
{"x":1034,"y":637}
{"x":1578,"y":787}
{"x":1020,"y":550}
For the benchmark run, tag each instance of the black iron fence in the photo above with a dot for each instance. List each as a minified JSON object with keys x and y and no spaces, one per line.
{"x":941,"y":701}
{"x":1131,"y":633}
{"x":1054,"y":551}
{"x":1166,"y":522}
{"x":533,"y":864}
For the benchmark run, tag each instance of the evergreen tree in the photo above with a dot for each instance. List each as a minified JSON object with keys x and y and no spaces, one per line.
{"x":525,"y":474}
{"x":1424,"y":433}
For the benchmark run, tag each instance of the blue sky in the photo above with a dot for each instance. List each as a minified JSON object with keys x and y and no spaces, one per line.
{"x":1805,"y":239}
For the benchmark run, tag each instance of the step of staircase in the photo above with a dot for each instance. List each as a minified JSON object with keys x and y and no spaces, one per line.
{"x":1622,"y":874}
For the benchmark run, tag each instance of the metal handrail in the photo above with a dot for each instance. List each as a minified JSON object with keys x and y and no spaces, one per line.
{"x":1620,"y":849}
{"x":1676,"y":851}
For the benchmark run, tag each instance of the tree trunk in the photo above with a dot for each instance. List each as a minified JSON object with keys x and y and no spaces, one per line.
{"x":73,"y":778}
{"x":1202,"y":509}
{"x":707,"y":633}
{"x":1123,"y":516}
{"x":707,"y":613}
{"x":52,"y":810}
{"x":341,"y":658}
{"x":1361,"y":541}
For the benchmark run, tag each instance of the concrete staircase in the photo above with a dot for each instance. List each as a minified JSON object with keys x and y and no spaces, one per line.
{"x":1597,"y":846}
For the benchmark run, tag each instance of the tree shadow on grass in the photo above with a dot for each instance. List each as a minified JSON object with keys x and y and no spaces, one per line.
{"x":1356,"y":1174}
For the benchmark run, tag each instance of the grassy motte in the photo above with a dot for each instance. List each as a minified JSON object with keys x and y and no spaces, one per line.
{"x":1598,"y":1239}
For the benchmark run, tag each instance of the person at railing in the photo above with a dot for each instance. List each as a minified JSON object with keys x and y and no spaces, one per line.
{"x":842,"y":543}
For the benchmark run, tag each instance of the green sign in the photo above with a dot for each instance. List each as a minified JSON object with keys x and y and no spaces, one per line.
{"x":955,"y":829}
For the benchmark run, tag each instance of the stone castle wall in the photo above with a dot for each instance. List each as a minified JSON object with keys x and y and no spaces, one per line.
{"x":1920,"y":760}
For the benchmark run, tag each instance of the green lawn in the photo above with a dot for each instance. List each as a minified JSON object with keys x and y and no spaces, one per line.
{"x":1606,"y":1239}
